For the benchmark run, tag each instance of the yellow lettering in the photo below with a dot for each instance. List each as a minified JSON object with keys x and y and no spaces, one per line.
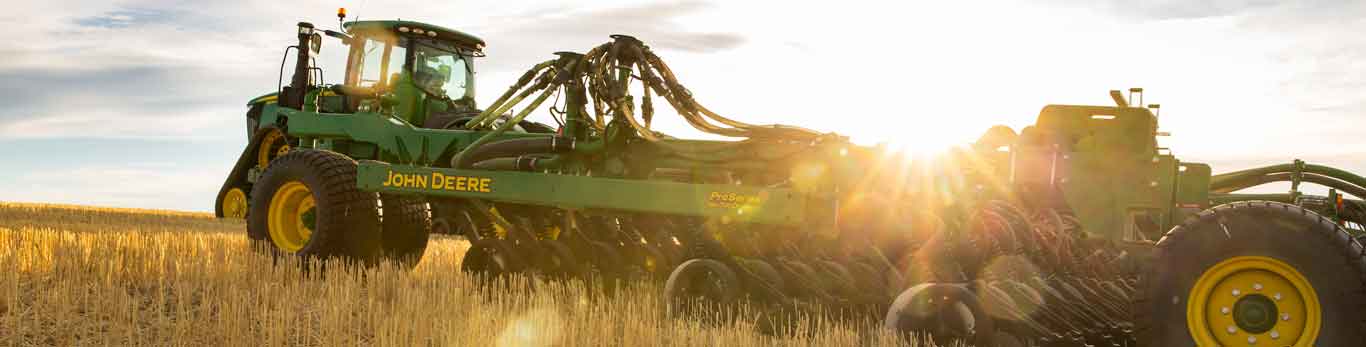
{"x":389,"y":179}
{"x":437,"y":180}
{"x":460,"y":183}
{"x":484,"y":184}
{"x":421,"y":181}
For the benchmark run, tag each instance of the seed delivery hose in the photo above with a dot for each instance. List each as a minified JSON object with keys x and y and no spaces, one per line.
{"x":607,"y":72}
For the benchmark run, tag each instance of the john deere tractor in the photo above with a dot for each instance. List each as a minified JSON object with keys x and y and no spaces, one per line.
{"x":1076,"y":231}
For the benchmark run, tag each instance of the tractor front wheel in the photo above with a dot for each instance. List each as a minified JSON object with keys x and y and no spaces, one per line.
{"x":306,"y":204}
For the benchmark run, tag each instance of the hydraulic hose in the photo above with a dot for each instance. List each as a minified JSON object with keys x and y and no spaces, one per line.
{"x":1327,"y":181}
{"x":519,"y":163}
{"x":1221,"y":181}
{"x":511,"y":149}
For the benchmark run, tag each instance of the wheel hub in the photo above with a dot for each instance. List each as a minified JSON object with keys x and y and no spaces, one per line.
{"x":1253,"y":301}
{"x":292,"y":216}
{"x":1255,"y":313}
{"x":235,"y":204}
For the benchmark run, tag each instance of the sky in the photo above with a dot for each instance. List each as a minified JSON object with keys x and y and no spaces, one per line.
{"x":142,"y":103}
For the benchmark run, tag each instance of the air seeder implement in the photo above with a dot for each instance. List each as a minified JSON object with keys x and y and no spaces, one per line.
{"x":1078,"y":230}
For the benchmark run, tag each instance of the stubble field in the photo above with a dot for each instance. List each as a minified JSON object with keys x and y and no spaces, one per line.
{"x":73,"y":275}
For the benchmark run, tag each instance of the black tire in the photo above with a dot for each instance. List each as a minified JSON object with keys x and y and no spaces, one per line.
{"x":1323,"y":252}
{"x":347,"y":220}
{"x":406,"y":225}
{"x":700,"y":286}
{"x":928,"y":309}
{"x":490,"y":258}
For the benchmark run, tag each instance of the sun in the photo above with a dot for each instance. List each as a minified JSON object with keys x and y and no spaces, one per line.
{"x":923,"y":143}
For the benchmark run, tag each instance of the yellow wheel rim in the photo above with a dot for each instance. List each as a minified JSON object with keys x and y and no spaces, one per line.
{"x":235,"y":204}
{"x":1253,"y":301}
{"x":292,"y":216}
{"x":266,"y":153}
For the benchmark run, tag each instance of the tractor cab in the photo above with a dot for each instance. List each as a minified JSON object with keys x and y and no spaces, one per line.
{"x":417,"y":72}
{"x":414,"y":70}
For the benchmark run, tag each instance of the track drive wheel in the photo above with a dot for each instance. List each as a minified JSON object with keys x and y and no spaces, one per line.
{"x":699,"y":287}
{"x":1254,"y":274}
{"x":274,"y":144}
{"x":307,"y":204}
{"x":406,"y":224}
{"x":232,"y":204}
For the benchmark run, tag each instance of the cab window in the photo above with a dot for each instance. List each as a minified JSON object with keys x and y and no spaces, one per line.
{"x":379,"y":61}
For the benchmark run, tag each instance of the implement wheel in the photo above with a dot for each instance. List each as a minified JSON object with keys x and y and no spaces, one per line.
{"x":307,"y":204}
{"x":700,"y":286}
{"x":1255,"y":274}
{"x":490,"y":258}
{"x":945,"y":312}
{"x":407,"y":223}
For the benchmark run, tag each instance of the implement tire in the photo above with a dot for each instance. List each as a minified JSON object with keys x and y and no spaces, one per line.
{"x":1254,"y":271}
{"x":699,"y":287}
{"x":406,"y":224}
{"x":489,"y":259}
{"x":306,"y":204}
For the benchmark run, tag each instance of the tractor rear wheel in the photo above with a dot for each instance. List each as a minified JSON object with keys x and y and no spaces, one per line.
{"x":307,"y":204}
{"x":406,"y":224}
{"x":1254,"y":273}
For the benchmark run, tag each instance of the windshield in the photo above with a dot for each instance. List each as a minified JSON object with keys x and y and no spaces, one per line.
{"x":441,"y":70}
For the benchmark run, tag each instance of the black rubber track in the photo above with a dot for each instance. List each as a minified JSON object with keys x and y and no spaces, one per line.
{"x":406,"y":223}
{"x":347,"y":225}
{"x":1322,"y":251}
{"x":237,"y":178}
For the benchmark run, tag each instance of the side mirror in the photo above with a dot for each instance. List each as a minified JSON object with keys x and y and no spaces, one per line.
{"x":345,"y":39}
{"x":315,"y":43}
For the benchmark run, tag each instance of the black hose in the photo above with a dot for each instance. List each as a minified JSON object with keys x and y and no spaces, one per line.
{"x":519,"y":163}
{"x":514,"y":148}
{"x":1327,"y":181}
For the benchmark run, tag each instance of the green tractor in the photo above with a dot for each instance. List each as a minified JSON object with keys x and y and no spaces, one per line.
{"x":1076,"y":231}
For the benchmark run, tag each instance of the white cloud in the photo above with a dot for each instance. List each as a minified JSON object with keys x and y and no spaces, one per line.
{"x":137,"y":184}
